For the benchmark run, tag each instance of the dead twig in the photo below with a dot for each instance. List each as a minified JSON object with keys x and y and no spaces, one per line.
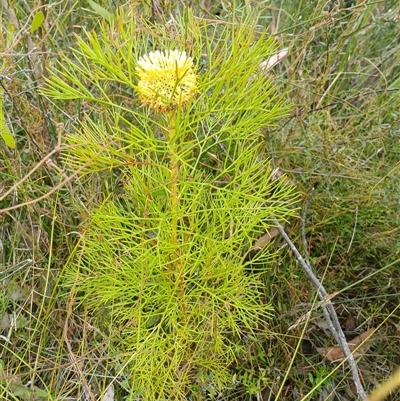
{"x":329,"y":313}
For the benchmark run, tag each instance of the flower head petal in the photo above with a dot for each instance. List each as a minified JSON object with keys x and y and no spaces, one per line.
{"x":167,"y":79}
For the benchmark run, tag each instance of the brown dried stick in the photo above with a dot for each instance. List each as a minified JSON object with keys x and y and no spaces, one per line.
{"x":329,"y":313}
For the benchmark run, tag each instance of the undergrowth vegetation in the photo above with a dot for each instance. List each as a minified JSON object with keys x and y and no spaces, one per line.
{"x":139,"y":258}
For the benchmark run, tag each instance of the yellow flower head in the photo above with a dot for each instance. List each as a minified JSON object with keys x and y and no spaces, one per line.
{"x":166,"y":79}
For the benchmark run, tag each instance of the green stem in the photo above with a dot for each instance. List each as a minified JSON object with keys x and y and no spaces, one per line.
{"x":174,"y":168}
{"x":173,"y":140}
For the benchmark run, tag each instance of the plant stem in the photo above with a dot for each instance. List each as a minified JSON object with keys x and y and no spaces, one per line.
{"x":174,"y":168}
{"x":173,"y":144}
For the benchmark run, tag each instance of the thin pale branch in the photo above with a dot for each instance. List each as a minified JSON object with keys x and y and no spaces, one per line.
{"x":329,"y":313}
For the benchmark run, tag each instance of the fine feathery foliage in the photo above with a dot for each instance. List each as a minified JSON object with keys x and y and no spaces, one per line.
{"x":165,"y":264}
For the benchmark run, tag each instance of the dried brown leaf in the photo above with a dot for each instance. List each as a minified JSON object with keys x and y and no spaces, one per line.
{"x":267,"y":64}
{"x":358,"y":346}
{"x":261,"y":242}
{"x":350,"y":324}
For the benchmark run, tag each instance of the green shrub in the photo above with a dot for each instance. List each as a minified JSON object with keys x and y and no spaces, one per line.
{"x":182,"y":192}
